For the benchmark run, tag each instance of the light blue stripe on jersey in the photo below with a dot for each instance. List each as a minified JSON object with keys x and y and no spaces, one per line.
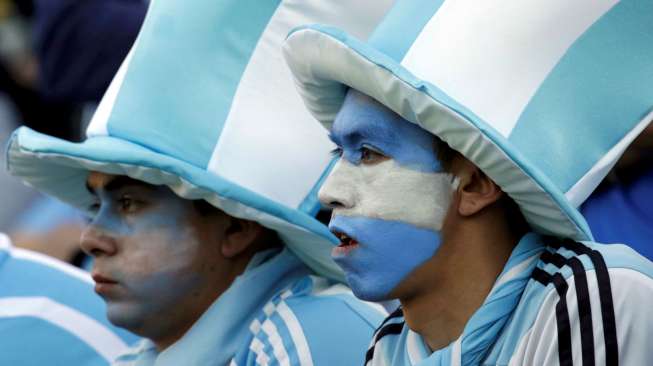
{"x":619,"y":57}
{"x":231,"y":53}
{"x":25,"y":278}
{"x":395,"y":39}
{"x":33,"y":341}
{"x":50,"y":314}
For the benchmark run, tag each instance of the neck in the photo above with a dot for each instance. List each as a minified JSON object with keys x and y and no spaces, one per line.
{"x":452,"y":285}
{"x":192,"y":308}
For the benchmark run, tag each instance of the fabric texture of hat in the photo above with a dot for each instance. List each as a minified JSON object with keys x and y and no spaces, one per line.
{"x":543,"y":97}
{"x":205,"y":104}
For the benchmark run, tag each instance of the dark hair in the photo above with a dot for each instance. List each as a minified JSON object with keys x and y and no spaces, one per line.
{"x":445,"y":154}
{"x":204,"y":208}
{"x":270,"y":238}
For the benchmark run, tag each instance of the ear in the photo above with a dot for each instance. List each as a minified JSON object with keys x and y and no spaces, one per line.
{"x":476,"y":190}
{"x":239,"y":236}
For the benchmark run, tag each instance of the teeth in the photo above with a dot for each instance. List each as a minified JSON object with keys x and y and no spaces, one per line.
{"x":345,"y":240}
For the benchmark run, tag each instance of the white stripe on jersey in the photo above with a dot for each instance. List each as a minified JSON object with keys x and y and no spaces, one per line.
{"x":277,"y":343}
{"x":257,"y":347}
{"x":89,"y":330}
{"x":296,"y":333}
{"x":18,"y":253}
{"x":51,"y":262}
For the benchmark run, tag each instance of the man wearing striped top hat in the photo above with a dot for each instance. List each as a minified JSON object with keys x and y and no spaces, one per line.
{"x":467,"y":134}
{"x":200,"y":177}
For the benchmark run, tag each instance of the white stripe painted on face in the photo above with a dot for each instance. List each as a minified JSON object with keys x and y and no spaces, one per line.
{"x":390,"y":192}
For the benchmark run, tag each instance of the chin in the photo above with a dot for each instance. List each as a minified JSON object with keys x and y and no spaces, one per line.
{"x":367,"y":289}
{"x":125,"y":316}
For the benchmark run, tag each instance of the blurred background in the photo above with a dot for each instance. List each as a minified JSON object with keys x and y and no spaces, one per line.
{"x":58,"y":56}
{"x":56,"y":59}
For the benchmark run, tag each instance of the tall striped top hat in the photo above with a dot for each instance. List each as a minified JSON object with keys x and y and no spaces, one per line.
{"x":204,"y":104}
{"x":543,"y":96}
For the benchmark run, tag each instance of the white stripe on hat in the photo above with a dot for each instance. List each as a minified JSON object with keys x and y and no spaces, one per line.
{"x":266,"y":103}
{"x":96,"y":335}
{"x":482,"y":67}
{"x":98,"y":124}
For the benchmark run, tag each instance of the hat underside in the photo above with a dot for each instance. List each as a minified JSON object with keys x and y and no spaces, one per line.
{"x":59,"y":168}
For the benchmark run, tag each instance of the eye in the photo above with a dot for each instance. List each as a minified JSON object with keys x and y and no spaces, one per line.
{"x":94,"y":207}
{"x":127,"y":204}
{"x":371,"y":156}
{"x":337,"y":152}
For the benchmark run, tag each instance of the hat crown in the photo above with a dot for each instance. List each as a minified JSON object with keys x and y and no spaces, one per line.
{"x":205,"y":83}
{"x":568,"y":84}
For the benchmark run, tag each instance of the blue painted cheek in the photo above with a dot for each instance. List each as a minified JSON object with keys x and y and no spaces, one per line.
{"x":109,"y":222}
{"x":388,"y":251}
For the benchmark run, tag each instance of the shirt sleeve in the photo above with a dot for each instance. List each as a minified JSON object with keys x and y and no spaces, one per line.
{"x":592,"y":325}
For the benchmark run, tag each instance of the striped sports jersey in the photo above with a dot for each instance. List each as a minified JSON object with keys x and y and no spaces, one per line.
{"x":555,"y":303}
{"x":276,"y":313}
{"x":49,"y":314}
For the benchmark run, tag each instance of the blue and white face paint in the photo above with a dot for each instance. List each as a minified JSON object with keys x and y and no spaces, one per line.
{"x":155,"y":261}
{"x":389,"y":195}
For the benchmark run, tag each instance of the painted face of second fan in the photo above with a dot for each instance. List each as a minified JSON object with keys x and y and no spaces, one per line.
{"x":389,"y":195}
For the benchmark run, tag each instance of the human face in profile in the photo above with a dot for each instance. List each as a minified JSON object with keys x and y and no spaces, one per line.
{"x":157,"y":261}
{"x":389,"y":195}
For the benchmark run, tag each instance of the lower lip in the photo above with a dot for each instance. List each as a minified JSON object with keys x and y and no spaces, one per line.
{"x":104,"y":288}
{"x":341,"y":250}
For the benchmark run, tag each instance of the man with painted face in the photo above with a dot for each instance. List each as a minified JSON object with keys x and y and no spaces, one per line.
{"x":466,"y":136}
{"x":201,"y":203}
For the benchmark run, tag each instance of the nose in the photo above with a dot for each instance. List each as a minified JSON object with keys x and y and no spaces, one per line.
{"x":96,"y":242}
{"x":338,"y":191}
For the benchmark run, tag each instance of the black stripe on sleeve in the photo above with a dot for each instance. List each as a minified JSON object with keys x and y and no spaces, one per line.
{"x":394,"y":328}
{"x":562,"y":319}
{"x":584,"y":311}
{"x":605,"y":296}
{"x":565,"y":357}
{"x":583,"y":298}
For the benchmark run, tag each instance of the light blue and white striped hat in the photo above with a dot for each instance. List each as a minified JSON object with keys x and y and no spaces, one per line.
{"x":205,"y":104}
{"x":543,"y":96}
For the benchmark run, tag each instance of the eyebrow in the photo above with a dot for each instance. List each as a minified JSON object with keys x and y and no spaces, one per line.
{"x":118,"y":183}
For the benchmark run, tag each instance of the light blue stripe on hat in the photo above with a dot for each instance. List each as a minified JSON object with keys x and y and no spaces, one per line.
{"x":619,"y":57}
{"x":165,"y":64}
{"x":395,"y":43}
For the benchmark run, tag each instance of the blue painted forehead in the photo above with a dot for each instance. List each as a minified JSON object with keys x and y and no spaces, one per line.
{"x":362,"y":120}
{"x":362,"y":114}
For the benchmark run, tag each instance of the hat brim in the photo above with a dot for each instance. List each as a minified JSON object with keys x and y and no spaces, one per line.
{"x":60,"y":168}
{"x":326,"y":62}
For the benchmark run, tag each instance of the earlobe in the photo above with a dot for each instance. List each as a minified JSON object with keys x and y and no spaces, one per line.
{"x":239,"y":236}
{"x":476,"y":192}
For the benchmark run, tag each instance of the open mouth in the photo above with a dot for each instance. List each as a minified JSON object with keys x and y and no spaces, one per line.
{"x":345,"y":240}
